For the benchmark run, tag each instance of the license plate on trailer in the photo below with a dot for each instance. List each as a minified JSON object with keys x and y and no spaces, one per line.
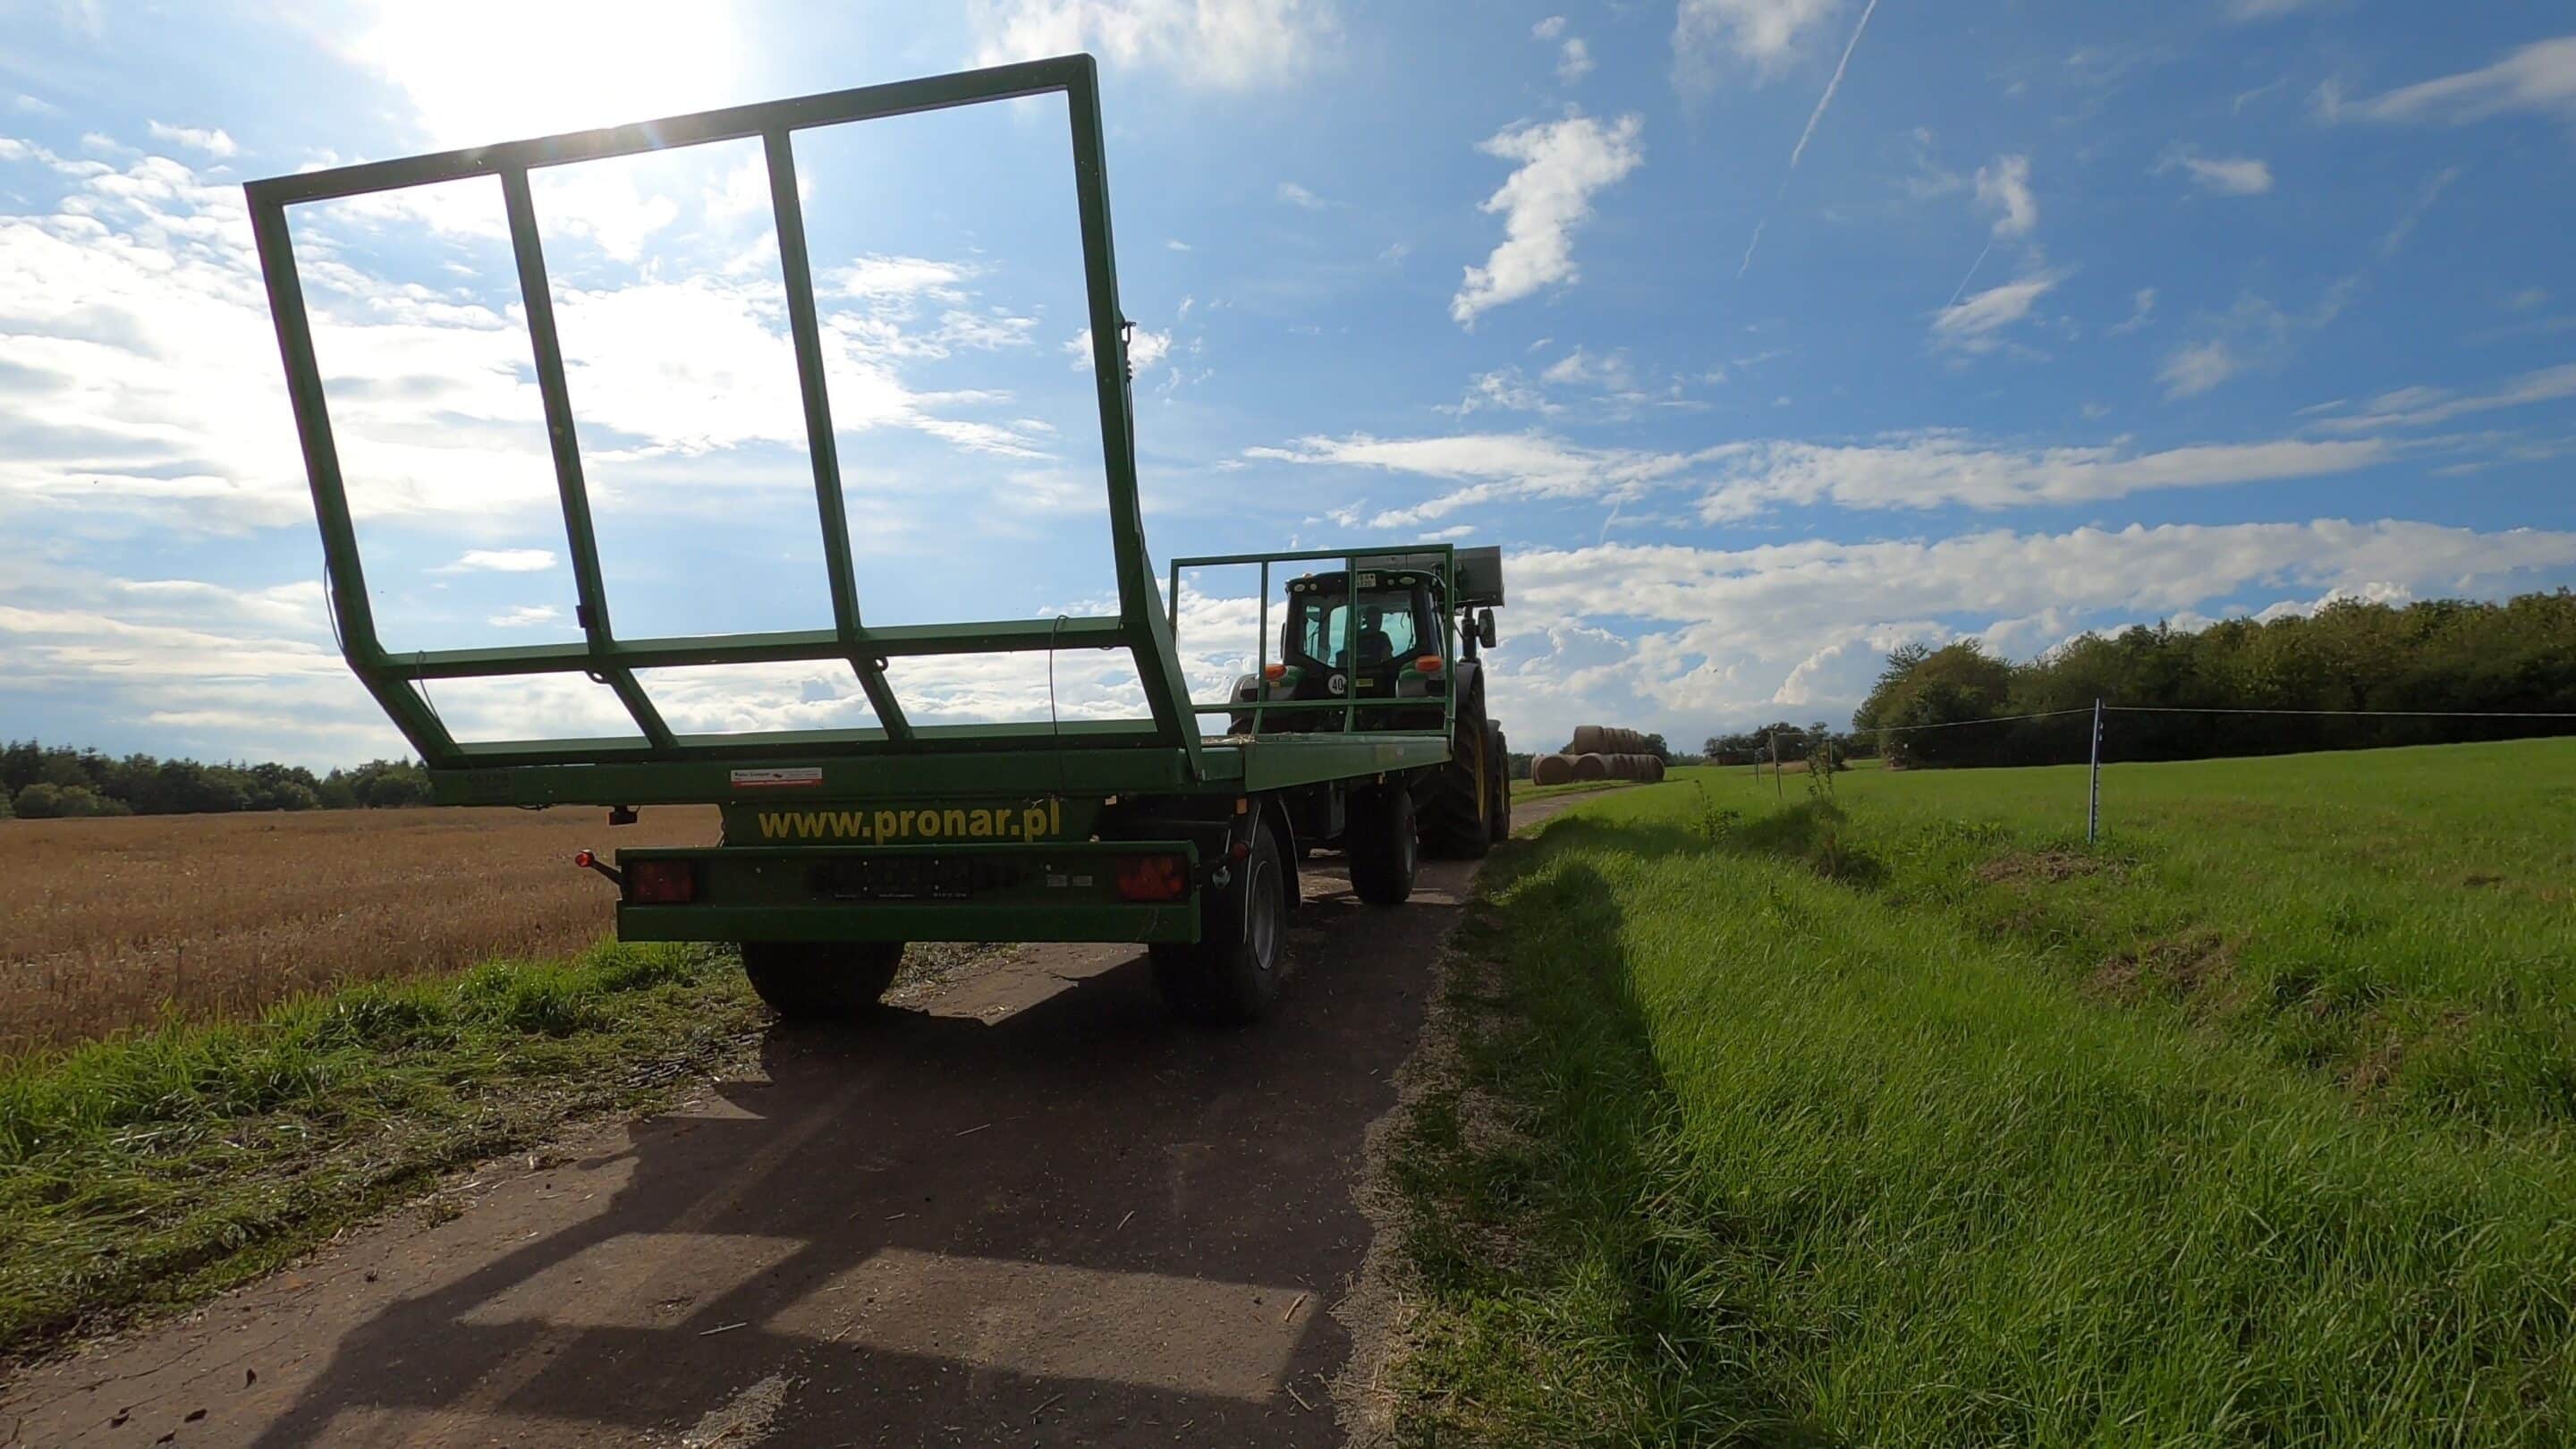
{"x":895,"y":878}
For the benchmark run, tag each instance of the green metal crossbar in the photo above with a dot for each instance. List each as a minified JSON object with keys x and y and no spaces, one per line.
{"x":1141,"y":625}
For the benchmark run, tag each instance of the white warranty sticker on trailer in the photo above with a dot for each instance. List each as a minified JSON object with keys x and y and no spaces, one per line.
{"x":806,"y":778}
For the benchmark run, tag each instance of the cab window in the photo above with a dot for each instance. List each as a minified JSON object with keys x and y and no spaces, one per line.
{"x":1385,"y":632}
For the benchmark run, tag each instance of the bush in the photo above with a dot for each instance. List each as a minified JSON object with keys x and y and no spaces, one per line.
{"x":45,"y":801}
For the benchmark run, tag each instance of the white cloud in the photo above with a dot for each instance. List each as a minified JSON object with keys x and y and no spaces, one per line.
{"x":2142,"y":311}
{"x":2223,"y":176}
{"x":1573,"y":60}
{"x":134,"y":321}
{"x":1298,"y":196}
{"x":1498,"y":465}
{"x":1505,"y":388}
{"x":33,"y":106}
{"x":1573,"y":57}
{"x":1759,"y":33}
{"x":2005,"y":186}
{"x":1743,"y":479}
{"x":1562,"y":165}
{"x":2254,"y":335}
{"x":212,"y":142}
{"x":877,"y":275}
{"x":1175,"y":244}
{"x":1974,"y":324}
{"x":2196,"y":367}
{"x":1735,"y":633}
{"x":1942,"y":469}
{"x":1610,"y":370}
{"x":2417,"y":407}
{"x":502,"y":561}
{"x":2539,"y":78}
{"x":2267,"y":9}
{"x":524,"y":615}
{"x":1222,"y":44}
{"x":1145,"y":347}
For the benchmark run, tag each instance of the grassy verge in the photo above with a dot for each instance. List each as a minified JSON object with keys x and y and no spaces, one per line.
{"x":152,"y":1169}
{"x":1759,"y":1142}
{"x":1524,"y":790}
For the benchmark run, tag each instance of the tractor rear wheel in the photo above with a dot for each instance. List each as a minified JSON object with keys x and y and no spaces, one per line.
{"x":1498,"y":761}
{"x":821,"y":980}
{"x":1457,"y":818}
{"x":1379,"y":838}
{"x":1231,"y":974}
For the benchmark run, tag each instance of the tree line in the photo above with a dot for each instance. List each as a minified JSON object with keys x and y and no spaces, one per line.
{"x":2517,"y":657}
{"x":43,"y":782}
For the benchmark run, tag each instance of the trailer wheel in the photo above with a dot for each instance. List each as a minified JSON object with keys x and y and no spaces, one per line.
{"x":1457,"y":816}
{"x":1382,"y":845}
{"x":821,"y":980}
{"x":1231,"y":975}
{"x":1498,"y":761}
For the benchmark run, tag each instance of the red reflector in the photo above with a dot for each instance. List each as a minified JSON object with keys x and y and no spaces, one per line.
{"x":662,"y":882}
{"x":584,"y":859}
{"x":1427,"y":664}
{"x":1152,"y":877}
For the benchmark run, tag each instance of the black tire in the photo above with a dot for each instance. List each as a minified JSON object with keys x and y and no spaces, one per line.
{"x":1380,"y":840}
{"x":1232,"y":974}
{"x":821,"y":980}
{"x":1457,"y":821}
{"x":1498,"y":758}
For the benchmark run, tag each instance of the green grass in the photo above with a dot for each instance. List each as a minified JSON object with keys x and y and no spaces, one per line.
{"x":149,"y":1170}
{"x":1524,"y":790}
{"x":1907,"y":1119}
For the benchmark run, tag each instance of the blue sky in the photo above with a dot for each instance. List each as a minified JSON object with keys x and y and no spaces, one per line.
{"x":1761,"y":334}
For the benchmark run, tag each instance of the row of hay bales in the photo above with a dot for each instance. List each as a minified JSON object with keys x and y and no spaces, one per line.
{"x":1598,"y":753}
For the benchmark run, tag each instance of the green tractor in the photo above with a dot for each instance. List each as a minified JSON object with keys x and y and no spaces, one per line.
{"x":1399,"y":643}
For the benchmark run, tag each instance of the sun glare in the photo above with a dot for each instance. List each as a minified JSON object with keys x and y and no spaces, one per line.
{"x":479,"y":71}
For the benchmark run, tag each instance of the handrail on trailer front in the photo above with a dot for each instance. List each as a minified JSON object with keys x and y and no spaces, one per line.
{"x":1350,"y":561}
{"x":1141,"y":625}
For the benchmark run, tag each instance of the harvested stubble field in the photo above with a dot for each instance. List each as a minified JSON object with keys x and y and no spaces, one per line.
{"x":113,"y":923}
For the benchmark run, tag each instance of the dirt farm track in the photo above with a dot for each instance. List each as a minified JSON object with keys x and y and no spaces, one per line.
{"x":1029,"y":1209}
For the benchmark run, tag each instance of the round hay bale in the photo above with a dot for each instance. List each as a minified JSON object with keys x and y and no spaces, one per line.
{"x":1655,"y":769}
{"x":1618,"y":766}
{"x":1587,"y":740}
{"x":1551,"y":770}
{"x":1591,"y":767}
{"x":1631,"y":743}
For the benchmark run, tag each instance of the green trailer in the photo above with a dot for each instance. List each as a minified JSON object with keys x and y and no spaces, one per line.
{"x":1367,"y":732}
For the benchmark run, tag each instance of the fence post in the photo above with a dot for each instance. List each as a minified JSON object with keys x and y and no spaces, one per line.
{"x":2093,"y":810}
{"x":1779,"y":787}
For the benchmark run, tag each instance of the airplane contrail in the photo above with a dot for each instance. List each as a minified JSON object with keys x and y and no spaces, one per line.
{"x":1813,"y":117}
{"x":1972,"y":274}
{"x":1833,"y":85}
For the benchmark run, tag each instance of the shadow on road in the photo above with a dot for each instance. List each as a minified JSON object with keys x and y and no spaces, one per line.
{"x":1039,"y":1211}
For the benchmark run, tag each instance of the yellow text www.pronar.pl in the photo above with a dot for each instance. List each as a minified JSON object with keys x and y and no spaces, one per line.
{"x":1035,"y":821}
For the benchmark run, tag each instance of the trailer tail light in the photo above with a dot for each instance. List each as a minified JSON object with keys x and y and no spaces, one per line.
{"x":1427,"y":664}
{"x":1152,"y":877}
{"x":1274,"y":671}
{"x":662,"y":882}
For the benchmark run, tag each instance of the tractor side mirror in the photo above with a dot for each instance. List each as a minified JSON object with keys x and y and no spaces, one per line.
{"x":1485,"y":628}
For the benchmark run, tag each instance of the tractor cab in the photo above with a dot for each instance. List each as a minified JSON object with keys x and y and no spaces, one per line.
{"x":1380,"y":637}
{"x":1371,"y":636}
